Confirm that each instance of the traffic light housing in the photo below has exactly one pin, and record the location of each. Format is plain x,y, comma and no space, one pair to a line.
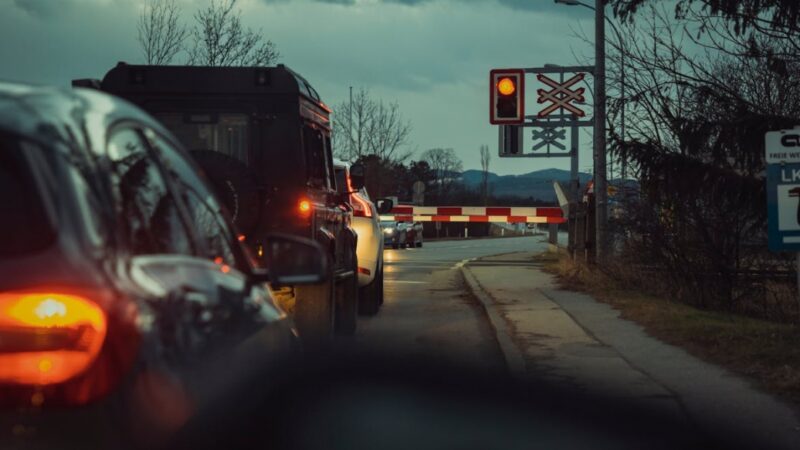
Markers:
510,140
507,96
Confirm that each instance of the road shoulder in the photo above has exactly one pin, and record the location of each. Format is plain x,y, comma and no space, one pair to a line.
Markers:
571,338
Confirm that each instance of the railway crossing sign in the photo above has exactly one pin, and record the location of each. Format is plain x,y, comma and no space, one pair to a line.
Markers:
560,95
783,189
549,136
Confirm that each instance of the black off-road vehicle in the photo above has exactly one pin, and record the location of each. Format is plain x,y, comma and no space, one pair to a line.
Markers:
262,135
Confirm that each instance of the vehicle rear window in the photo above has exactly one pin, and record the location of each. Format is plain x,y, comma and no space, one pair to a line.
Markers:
316,158
25,227
224,133
341,180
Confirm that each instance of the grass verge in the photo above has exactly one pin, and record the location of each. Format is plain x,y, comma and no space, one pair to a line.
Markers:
767,352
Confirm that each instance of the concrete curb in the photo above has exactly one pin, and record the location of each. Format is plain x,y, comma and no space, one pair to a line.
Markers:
512,354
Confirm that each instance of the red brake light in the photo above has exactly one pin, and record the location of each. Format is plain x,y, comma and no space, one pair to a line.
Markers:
304,208
48,338
360,206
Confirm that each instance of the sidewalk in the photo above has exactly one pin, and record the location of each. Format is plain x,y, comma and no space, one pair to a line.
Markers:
568,337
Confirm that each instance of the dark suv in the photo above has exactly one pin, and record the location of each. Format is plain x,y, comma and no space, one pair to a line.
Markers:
125,295
262,134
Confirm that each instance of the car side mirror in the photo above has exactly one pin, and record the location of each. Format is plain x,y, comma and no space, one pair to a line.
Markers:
384,205
292,260
357,176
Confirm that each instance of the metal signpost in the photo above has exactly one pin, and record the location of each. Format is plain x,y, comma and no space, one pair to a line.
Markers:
419,193
783,191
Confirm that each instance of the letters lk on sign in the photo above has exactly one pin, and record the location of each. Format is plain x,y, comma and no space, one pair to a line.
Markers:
790,175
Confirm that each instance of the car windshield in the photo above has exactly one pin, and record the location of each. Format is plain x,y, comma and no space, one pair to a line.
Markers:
600,196
24,225
227,133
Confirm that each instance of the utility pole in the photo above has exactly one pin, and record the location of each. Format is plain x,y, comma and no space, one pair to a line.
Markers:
624,162
600,188
350,124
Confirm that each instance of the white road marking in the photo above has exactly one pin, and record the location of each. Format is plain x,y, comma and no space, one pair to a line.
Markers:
461,263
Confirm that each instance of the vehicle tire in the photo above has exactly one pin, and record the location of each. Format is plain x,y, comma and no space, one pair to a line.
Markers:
396,245
314,313
370,296
347,303
381,294
235,185
419,244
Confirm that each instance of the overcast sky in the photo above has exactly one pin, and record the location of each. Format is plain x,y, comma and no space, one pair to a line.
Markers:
431,56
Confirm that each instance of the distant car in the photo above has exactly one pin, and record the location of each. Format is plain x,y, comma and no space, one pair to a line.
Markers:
127,302
369,246
414,234
394,234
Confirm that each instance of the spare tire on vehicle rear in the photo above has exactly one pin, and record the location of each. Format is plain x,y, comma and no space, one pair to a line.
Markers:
235,185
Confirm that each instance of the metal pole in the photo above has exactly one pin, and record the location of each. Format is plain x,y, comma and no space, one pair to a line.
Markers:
623,163
573,168
798,274
350,124
601,192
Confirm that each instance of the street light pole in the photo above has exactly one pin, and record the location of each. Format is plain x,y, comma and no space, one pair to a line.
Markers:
623,162
599,138
600,188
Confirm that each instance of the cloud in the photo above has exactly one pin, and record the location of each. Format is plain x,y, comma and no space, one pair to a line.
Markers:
432,56
527,5
47,9
39,8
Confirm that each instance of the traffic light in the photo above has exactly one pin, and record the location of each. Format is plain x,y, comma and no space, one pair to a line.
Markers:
507,96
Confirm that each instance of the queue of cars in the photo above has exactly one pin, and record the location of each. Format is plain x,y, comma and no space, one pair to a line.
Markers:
262,136
140,253
122,279
400,234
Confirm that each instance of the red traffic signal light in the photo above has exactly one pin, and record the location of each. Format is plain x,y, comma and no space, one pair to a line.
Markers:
507,96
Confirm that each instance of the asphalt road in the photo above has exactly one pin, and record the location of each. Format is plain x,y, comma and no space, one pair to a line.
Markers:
427,309
561,337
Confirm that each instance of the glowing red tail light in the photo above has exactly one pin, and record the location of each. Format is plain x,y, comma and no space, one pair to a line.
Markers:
304,207
361,208
48,338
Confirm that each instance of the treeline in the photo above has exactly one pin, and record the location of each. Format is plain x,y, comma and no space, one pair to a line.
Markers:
442,187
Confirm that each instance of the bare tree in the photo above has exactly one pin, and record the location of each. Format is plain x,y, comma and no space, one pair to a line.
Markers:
446,166
370,127
485,159
220,39
389,132
161,35
351,123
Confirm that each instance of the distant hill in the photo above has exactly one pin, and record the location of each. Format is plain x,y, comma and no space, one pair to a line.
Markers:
537,184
